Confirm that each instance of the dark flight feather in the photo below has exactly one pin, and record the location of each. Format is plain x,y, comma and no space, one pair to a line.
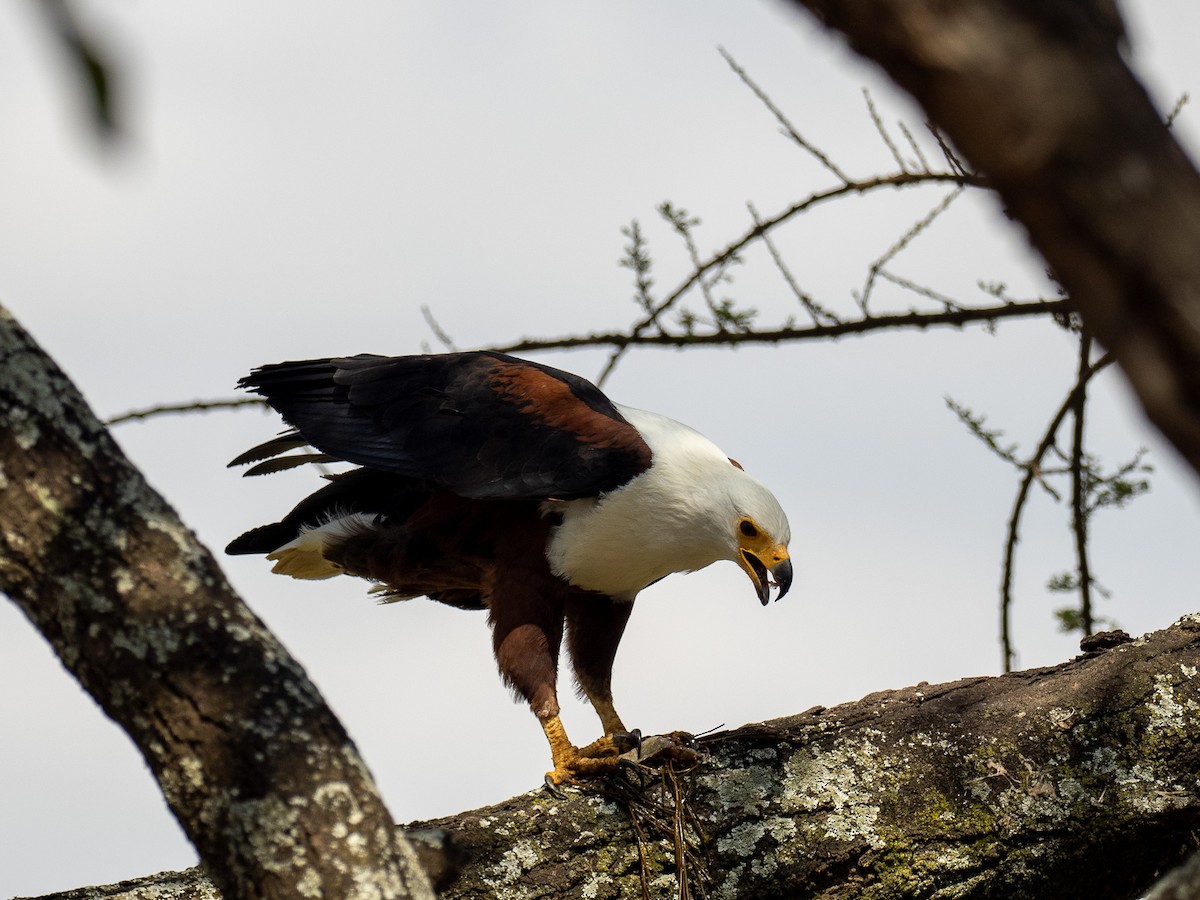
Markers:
289,440
291,461
482,425
390,497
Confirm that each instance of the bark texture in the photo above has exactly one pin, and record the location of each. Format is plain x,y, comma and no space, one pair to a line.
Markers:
256,768
1074,781
1036,96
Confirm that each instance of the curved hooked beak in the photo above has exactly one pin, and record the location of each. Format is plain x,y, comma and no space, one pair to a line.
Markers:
778,573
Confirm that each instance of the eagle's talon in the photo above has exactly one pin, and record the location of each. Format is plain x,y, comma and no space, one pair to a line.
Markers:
626,741
568,772
611,745
552,786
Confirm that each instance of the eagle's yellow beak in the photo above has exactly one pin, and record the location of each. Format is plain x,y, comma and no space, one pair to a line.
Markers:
766,562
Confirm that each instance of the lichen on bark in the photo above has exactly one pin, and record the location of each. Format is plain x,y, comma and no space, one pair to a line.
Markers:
243,746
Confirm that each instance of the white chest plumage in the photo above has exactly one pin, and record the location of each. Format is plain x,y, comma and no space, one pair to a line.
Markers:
677,516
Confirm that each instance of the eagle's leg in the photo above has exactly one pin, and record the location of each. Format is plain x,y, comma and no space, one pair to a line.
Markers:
564,754
595,624
526,638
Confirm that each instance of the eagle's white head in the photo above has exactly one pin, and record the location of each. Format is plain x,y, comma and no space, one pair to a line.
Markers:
694,506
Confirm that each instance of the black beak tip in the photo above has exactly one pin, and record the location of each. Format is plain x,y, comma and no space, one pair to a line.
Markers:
780,575
783,577
762,578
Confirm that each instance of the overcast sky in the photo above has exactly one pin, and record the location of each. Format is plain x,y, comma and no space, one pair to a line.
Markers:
300,178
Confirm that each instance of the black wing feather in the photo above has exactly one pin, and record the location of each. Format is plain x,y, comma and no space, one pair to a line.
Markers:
289,440
291,461
479,424
390,497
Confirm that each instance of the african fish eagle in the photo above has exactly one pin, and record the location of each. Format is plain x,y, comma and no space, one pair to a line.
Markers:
489,482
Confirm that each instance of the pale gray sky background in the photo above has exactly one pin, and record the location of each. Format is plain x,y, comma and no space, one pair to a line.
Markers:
301,177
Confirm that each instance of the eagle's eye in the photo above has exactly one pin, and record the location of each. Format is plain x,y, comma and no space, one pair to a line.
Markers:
747,528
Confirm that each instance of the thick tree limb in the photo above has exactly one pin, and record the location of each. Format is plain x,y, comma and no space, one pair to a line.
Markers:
1035,95
260,774
1073,781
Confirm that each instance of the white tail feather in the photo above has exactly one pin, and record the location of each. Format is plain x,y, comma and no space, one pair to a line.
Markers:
304,557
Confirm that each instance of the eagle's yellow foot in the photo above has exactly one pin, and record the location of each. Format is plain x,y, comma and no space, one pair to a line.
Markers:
601,757
617,743
569,771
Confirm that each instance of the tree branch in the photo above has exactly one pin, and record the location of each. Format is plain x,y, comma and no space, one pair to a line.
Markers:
255,767
861,186
1076,780
163,409
788,128
1079,518
860,325
1079,156
1032,471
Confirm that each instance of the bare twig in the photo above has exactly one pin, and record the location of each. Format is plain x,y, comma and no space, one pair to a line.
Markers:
1014,522
903,241
164,409
640,836
914,146
637,260
611,364
1079,517
438,332
883,132
1176,109
729,253
679,837
948,303
683,225
787,126
814,309
990,437
958,317
898,180
952,159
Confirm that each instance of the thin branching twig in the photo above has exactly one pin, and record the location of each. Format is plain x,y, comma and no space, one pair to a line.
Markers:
814,309
440,333
654,310
1031,468
883,132
786,334
1079,518
952,159
902,242
163,409
1176,109
914,146
787,126
948,303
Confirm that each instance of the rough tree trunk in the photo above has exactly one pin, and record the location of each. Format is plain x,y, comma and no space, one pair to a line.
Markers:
260,774
1036,96
1073,781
